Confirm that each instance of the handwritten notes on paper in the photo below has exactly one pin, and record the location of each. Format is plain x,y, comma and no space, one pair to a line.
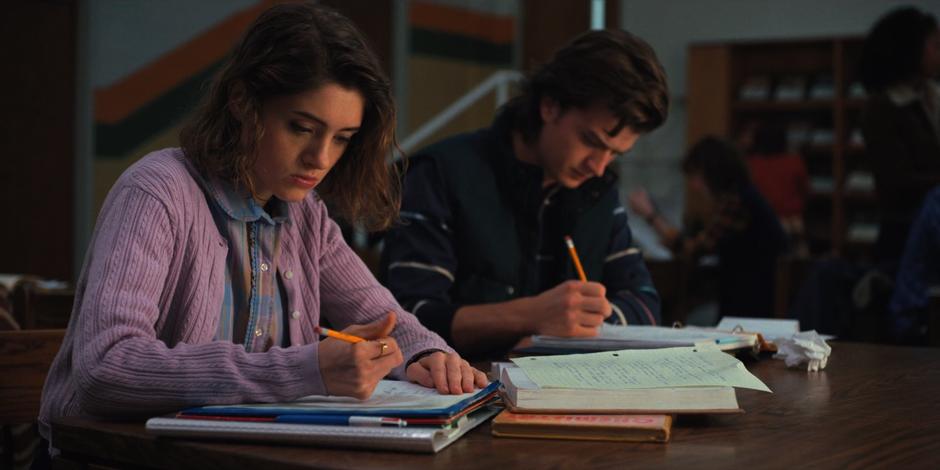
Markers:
699,366
389,394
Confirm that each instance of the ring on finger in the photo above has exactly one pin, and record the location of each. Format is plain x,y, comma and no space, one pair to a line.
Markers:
384,349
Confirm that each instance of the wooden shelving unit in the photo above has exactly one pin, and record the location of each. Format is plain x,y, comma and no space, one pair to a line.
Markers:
838,216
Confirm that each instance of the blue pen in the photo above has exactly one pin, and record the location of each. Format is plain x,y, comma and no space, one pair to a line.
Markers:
730,339
342,420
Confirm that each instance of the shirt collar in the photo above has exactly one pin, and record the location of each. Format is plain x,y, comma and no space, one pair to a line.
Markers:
239,205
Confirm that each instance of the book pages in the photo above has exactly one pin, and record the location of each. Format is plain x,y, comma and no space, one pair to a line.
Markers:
698,366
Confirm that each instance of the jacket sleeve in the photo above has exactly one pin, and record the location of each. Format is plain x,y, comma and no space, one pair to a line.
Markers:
350,294
629,286
119,365
419,260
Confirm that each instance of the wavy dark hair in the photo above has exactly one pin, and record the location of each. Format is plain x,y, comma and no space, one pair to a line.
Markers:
612,68
894,48
720,164
289,49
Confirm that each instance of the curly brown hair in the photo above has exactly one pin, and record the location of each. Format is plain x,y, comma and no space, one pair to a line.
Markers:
289,49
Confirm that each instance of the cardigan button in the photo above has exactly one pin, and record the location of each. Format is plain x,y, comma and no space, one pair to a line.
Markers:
288,274
295,314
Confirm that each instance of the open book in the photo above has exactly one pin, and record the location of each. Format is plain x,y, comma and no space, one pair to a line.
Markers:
522,395
673,380
390,398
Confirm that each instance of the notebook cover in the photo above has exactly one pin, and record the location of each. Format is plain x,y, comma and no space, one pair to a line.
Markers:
610,427
492,399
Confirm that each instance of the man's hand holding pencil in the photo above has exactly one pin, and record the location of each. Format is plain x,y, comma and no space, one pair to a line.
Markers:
572,308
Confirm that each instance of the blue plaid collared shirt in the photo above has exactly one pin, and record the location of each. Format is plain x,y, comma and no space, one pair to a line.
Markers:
252,310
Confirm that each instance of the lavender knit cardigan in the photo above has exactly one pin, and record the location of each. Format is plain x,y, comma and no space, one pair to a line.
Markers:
141,337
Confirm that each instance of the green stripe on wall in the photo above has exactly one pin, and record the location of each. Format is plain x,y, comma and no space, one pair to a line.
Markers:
115,140
454,46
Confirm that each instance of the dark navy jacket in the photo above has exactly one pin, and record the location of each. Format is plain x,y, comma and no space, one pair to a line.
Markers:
478,227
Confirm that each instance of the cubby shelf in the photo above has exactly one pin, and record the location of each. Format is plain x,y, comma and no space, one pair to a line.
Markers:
733,84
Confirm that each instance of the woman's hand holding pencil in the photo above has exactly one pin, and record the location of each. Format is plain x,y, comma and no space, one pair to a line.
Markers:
353,361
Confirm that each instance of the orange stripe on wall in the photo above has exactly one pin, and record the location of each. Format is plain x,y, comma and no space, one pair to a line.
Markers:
493,28
117,101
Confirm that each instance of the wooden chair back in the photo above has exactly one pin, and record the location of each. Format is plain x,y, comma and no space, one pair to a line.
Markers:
36,307
25,358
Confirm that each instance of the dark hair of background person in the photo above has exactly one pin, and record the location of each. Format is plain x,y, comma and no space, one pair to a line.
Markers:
720,164
292,48
611,68
770,138
894,48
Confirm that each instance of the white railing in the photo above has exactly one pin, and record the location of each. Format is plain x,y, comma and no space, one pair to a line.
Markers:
500,81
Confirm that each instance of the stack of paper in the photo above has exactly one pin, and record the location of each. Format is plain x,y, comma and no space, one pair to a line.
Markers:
613,337
770,328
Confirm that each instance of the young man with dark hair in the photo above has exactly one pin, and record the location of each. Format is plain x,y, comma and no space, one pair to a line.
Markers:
480,256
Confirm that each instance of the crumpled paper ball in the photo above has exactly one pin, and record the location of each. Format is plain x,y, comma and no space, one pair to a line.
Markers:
803,347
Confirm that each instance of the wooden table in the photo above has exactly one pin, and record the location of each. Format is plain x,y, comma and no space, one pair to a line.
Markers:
873,406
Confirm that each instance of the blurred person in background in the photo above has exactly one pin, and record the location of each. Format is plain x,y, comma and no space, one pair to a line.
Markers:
901,121
727,216
918,270
781,177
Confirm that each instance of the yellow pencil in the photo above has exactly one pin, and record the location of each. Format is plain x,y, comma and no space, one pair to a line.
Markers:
574,257
338,335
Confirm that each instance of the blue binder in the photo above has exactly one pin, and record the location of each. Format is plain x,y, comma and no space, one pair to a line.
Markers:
262,410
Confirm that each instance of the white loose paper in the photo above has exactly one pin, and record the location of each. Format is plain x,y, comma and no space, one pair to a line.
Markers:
804,347
700,366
